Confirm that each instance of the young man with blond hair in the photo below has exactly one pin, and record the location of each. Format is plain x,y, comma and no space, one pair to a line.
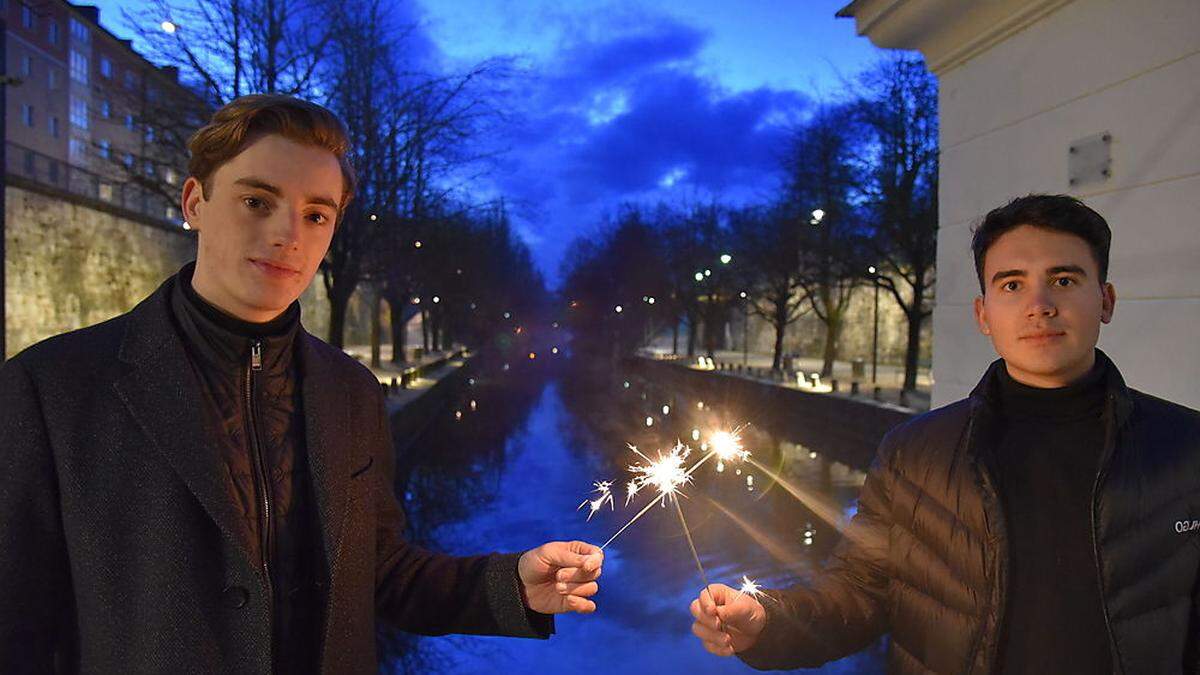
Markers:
1049,523
201,486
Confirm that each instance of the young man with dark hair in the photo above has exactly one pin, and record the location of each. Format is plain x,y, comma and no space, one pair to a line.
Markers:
1049,523
201,486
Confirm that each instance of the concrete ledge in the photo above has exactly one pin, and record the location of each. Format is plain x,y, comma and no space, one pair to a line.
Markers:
846,429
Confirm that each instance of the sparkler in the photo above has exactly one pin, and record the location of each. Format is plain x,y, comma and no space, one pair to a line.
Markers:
605,490
749,587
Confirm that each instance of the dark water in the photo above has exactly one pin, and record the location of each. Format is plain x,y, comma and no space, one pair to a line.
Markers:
510,474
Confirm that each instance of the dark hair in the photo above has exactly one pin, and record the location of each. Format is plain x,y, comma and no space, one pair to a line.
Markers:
246,118
1061,213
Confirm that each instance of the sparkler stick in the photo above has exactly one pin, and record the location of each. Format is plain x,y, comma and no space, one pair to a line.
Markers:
692,546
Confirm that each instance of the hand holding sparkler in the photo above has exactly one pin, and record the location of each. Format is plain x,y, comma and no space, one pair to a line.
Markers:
560,577
728,620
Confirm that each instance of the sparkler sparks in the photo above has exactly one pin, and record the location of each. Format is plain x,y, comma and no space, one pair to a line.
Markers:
604,488
749,587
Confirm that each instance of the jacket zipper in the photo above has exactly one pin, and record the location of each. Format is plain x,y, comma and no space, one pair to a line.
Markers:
1002,525
262,482
1110,442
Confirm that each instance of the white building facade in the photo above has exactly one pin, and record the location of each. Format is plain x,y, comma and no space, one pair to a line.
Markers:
1095,98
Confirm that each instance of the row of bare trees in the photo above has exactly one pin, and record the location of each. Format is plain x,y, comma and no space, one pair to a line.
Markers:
859,193
418,138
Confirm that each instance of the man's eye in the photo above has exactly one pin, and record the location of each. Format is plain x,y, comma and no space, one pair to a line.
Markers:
1069,281
318,218
253,203
1010,285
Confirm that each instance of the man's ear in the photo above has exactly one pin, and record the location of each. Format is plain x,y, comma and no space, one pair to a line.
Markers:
1108,302
981,316
190,201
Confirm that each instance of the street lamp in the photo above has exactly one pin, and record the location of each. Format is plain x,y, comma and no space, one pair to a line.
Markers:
168,27
875,330
745,328
725,258
817,216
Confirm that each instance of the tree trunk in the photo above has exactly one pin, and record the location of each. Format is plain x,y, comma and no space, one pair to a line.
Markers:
399,330
376,303
675,337
913,350
691,345
425,330
780,324
339,303
833,327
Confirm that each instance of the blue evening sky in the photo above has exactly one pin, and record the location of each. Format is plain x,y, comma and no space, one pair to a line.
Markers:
635,102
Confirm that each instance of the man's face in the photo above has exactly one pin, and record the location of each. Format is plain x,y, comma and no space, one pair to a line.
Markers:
1043,305
265,225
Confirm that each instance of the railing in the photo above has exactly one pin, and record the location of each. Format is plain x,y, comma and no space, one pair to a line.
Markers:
51,172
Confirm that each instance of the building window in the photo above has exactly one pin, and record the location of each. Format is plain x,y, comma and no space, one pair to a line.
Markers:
53,172
77,151
170,176
130,79
54,126
149,168
129,122
30,163
105,67
127,160
26,66
27,17
171,213
149,133
79,67
106,192
106,109
104,148
27,114
53,32
52,77
152,94
80,32
79,112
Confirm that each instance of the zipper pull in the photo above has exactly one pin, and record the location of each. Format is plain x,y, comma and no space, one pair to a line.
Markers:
256,355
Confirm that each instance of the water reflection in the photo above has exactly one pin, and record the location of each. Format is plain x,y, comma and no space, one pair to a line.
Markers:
510,474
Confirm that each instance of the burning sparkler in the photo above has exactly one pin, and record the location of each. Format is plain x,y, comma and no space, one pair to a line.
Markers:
604,488
749,587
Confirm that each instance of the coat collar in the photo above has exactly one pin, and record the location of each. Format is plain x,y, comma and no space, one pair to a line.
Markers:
984,398
163,396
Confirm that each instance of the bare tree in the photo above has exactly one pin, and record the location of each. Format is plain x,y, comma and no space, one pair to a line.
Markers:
768,255
821,183
900,111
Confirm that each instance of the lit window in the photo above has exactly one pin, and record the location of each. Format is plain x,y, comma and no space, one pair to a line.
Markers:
27,17
53,35
105,67
106,109
54,126
77,151
79,112
79,67
52,77
104,148
26,66
27,114
79,31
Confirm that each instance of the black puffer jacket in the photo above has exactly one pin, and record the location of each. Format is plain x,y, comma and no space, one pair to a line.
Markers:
925,557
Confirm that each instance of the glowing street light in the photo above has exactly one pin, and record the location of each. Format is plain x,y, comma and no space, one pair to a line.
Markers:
699,276
417,244
726,258
651,300
817,216
436,299
619,309
374,217
168,27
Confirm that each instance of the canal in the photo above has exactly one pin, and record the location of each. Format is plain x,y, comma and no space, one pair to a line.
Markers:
506,465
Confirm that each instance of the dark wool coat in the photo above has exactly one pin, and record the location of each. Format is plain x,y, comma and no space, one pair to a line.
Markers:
121,550
925,557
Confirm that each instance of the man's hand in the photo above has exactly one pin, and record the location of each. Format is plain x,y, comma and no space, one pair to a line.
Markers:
560,577
732,624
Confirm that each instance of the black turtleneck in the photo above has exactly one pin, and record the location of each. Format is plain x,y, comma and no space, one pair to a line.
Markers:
258,423
1048,454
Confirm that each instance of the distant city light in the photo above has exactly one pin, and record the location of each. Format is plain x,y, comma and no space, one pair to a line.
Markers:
649,421
726,258
436,299
374,217
168,27
651,300
699,276
742,294
532,355
666,410
871,269
619,309
554,350
817,216
416,301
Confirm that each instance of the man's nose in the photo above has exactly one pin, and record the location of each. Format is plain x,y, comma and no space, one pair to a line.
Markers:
1041,304
287,230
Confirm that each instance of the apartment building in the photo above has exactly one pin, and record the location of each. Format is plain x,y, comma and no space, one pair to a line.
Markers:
87,115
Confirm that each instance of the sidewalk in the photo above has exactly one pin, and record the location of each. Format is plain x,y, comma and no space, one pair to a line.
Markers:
757,365
420,377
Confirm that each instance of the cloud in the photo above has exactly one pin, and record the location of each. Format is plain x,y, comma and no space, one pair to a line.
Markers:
620,111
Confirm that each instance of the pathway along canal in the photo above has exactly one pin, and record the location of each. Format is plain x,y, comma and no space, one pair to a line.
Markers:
506,465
